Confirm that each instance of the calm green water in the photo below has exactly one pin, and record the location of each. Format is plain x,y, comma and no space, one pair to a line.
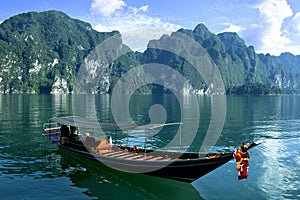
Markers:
32,168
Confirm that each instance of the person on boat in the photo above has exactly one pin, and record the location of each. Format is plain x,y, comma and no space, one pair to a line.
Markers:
109,140
74,133
74,130
242,157
238,158
64,133
244,162
134,149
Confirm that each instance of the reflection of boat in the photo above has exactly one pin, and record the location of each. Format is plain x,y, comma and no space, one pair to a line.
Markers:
185,167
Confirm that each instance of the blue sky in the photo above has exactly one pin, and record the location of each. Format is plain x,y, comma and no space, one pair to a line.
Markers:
271,26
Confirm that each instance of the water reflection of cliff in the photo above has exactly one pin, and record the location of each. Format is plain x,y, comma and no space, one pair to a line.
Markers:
105,183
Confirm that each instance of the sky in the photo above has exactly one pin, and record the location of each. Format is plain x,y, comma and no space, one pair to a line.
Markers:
271,26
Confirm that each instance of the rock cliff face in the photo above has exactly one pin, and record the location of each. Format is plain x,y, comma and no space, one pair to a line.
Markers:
49,52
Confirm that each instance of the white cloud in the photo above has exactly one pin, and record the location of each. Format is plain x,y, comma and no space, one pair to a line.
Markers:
129,21
138,39
101,28
294,25
232,28
268,35
136,26
135,10
107,8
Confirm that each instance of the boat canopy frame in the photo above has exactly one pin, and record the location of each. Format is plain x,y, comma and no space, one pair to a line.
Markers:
95,124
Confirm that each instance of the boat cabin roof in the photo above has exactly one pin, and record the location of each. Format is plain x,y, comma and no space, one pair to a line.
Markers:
95,124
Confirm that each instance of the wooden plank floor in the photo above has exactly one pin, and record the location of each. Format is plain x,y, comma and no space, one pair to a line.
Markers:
130,155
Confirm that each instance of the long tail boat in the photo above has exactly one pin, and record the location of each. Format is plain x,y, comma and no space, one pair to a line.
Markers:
180,166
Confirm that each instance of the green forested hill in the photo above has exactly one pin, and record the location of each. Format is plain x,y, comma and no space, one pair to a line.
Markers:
43,53
37,49
242,69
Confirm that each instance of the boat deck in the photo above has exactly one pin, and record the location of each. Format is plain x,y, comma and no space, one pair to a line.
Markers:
100,147
132,155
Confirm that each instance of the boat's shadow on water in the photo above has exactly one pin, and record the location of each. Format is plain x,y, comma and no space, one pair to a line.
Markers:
103,182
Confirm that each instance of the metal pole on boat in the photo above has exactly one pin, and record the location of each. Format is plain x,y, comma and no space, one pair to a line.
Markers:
145,140
127,138
151,142
145,151
180,137
115,140
49,125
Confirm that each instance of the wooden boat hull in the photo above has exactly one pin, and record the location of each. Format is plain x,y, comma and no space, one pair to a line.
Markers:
180,170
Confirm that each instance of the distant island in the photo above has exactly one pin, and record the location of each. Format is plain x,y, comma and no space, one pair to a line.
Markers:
43,53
